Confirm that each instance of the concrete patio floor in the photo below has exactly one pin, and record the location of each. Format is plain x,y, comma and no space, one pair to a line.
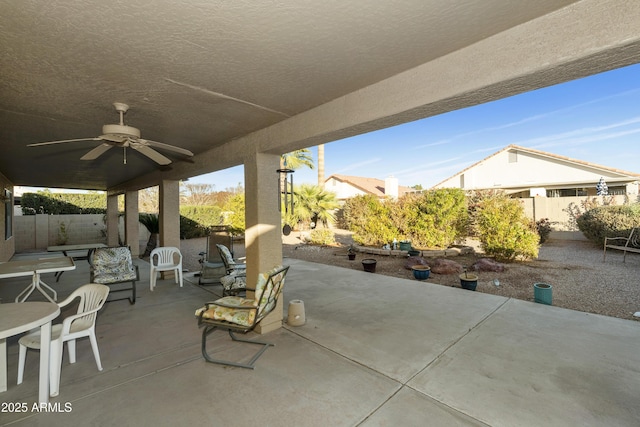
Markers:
375,351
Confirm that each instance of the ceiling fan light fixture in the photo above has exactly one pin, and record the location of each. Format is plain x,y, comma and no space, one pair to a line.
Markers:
121,135
123,130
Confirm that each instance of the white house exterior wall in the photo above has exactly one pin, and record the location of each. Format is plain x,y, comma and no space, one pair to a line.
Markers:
529,170
343,190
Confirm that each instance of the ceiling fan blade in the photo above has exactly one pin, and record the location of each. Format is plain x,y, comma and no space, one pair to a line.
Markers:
62,141
96,152
164,146
151,153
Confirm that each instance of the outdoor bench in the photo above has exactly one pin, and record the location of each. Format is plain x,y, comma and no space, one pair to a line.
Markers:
631,244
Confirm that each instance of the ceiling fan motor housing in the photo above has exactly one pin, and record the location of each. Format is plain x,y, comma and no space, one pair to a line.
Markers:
118,133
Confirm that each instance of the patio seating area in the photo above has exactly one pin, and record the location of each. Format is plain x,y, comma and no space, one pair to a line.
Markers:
375,350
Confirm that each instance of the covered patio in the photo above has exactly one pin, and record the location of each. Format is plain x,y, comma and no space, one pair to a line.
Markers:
375,350
243,84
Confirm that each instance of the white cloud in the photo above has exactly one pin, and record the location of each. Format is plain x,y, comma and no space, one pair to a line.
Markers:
354,166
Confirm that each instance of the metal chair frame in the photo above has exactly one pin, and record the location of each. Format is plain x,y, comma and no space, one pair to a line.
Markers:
211,265
132,288
267,299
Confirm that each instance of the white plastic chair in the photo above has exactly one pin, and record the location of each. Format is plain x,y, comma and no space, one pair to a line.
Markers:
165,259
82,324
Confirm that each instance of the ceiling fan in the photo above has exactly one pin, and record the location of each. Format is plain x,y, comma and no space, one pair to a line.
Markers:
121,135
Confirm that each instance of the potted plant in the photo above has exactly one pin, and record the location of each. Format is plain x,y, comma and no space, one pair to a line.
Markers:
405,245
369,265
543,293
468,280
351,253
421,272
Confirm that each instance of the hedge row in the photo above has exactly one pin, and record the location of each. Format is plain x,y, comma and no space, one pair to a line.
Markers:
439,218
195,221
63,203
432,219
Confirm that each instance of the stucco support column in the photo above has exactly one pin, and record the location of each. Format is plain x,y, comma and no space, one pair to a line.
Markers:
169,196
112,220
132,222
263,237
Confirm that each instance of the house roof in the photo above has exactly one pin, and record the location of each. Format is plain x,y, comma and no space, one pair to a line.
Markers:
372,186
621,173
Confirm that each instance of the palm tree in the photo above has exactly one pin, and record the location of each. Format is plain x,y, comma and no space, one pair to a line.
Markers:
321,165
152,223
296,159
315,204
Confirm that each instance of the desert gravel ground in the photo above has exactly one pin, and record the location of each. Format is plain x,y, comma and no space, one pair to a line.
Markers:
580,279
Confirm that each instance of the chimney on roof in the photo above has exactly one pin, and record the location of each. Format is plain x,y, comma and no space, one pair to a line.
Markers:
391,187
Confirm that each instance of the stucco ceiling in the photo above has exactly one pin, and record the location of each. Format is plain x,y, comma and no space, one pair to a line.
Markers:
198,74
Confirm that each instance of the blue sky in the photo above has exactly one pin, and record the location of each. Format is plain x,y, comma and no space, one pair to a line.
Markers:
594,119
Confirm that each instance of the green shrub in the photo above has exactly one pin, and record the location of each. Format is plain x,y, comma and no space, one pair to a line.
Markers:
204,216
322,236
608,221
432,219
474,201
190,229
543,227
505,232
234,209
370,220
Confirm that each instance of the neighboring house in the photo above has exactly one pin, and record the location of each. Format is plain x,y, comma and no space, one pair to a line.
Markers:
524,172
346,187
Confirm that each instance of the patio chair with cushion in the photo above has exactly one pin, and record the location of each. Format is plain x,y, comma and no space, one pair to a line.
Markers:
235,280
114,266
165,258
82,324
213,267
241,315
229,263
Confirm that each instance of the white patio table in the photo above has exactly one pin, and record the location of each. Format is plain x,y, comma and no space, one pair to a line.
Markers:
16,318
85,248
34,268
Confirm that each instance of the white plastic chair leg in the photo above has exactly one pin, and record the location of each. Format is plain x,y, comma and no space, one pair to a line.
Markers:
94,347
152,278
55,365
71,348
22,357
